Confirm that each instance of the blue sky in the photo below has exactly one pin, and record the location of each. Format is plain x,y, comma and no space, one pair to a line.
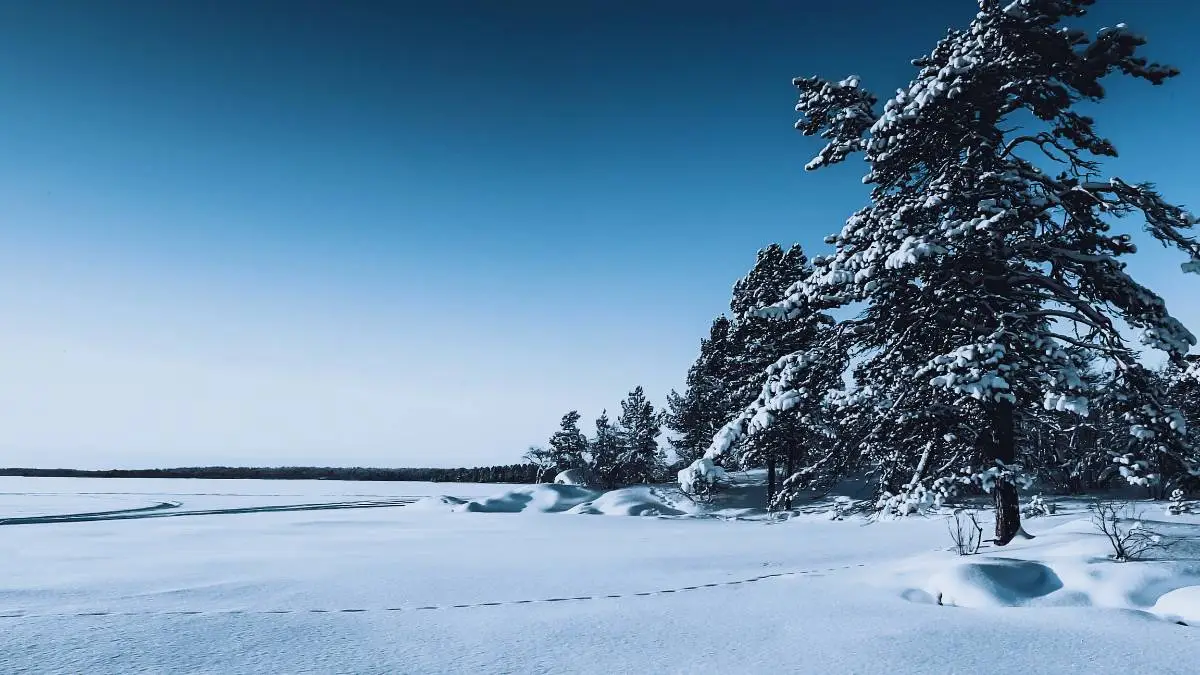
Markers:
381,234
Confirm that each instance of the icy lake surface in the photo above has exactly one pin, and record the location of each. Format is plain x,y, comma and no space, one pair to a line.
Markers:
540,580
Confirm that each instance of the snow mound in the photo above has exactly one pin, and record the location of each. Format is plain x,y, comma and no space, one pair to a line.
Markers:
537,498
995,582
439,503
631,501
573,477
1181,604
641,500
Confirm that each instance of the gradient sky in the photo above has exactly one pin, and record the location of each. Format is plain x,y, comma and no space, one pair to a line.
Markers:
355,233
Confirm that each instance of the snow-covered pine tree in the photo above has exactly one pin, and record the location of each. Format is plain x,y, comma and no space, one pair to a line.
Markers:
568,445
1069,452
977,266
706,403
605,453
640,460
789,364
761,340
1182,390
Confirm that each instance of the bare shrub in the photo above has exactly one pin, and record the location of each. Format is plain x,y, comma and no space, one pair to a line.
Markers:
965,531
1130,538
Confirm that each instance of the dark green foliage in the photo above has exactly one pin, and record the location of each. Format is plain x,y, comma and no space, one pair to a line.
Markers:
759,337
640,460
605,452
568,445
707,403
1181,389
733,366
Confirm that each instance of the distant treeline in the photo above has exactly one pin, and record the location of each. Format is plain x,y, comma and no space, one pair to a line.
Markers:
511,473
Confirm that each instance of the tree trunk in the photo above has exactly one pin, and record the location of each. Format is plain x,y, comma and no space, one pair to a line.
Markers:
770,481
1158,491
791,471
1003,447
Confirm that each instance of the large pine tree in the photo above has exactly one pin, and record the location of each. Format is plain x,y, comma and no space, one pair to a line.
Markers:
986,252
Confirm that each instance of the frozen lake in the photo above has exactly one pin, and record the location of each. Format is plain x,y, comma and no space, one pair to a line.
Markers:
421,589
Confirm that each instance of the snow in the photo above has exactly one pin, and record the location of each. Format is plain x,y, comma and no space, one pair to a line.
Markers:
1066,402
549,498
57,504
572,477
451,590
701,472
1182,604
994,582
555,498
632,501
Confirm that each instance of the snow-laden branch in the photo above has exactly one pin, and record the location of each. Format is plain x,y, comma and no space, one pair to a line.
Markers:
839,111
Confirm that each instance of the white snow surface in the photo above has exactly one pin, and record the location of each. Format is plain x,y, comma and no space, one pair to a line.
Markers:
572,477
56,504
545,498
701,470
436,587
1182,604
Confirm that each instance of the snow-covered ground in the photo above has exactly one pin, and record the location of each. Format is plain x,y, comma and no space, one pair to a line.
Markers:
539,580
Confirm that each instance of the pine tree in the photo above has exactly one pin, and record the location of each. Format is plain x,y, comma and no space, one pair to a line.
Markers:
605,455
1067,451
978,268
1181,385
640,458
787,366
761,340
706,403
568,445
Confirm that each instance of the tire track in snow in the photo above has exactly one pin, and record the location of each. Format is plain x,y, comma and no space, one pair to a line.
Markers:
141,511
426,608
160,511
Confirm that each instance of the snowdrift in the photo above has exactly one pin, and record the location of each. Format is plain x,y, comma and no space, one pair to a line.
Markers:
631,501
1065,566
641,500
573,477
994,582
1181,604
545,498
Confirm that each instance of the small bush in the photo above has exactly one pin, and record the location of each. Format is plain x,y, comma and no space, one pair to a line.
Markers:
965,531
842,507
702,480
1038,507
1130,538
1179,504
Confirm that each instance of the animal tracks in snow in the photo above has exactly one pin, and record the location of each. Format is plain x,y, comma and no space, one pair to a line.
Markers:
428,608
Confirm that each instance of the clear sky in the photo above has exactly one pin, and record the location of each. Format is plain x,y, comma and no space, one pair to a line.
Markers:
401,233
